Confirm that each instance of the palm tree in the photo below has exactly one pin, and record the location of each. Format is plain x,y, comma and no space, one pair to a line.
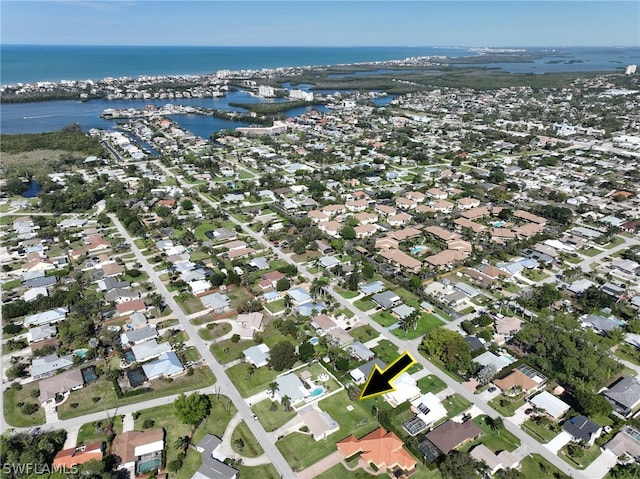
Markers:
273,387
286,403
495,423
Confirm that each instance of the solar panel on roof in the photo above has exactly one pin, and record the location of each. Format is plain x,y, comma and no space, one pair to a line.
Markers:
424,409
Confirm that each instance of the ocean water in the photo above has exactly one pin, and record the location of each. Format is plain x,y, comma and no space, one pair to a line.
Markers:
32,63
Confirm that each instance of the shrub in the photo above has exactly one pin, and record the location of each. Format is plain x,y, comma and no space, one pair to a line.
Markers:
235,338
29,408
148,423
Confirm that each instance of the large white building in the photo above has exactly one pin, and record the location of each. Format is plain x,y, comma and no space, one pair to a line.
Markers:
266,91
301,95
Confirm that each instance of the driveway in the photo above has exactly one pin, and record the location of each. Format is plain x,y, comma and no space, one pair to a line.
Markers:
557,442
600,467
321,466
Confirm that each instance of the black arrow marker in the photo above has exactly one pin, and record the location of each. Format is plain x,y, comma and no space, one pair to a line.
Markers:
379,381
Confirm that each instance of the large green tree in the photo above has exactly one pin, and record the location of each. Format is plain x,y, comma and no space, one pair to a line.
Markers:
449,347
192,409
282,356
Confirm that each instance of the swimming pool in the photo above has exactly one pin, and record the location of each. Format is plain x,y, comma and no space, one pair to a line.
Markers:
316,392
416,249
129,356
498,224
314,341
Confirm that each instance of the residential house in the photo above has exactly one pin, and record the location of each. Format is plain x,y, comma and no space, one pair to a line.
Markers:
447,437
218,303
137,336
40,333
167,365
291,385
249,323
139,452
362,372
131,307
406,389
383,449
78,455
502,460
582,429
149,350
521,380
360,351
554,407
428,410
45,366
386,299
625,443
624,396
60,384
322,324
213,466
319,422
257,355
372,288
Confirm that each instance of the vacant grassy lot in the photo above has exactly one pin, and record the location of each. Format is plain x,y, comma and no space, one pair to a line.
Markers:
431,384
95,431
497,440
12,412
103,389
244,442
301,450
588,456
537,466
455,404
364,333
227,351
248,385
426,323
265,471
272,420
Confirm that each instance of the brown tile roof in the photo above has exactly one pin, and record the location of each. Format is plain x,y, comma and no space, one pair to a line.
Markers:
78,455
516,379
124,445
451,434
380,447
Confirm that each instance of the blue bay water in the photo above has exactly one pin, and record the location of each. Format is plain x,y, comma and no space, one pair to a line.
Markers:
54,63
31,63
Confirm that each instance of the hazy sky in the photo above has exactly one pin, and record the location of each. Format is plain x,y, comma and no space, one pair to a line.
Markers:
322,23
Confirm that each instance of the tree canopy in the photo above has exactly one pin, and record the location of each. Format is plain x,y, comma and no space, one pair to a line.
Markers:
449,347
192,409
282,356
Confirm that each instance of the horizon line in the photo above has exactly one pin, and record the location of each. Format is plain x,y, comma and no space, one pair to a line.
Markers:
310,46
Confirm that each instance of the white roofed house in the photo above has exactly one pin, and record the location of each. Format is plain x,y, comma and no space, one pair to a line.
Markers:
551,405
46,317
249,323
137,336
218,303
168,364
149,350
47,365
258,355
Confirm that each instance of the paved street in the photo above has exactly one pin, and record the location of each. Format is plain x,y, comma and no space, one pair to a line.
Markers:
223,382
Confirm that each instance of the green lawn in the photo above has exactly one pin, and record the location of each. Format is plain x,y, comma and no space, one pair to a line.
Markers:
12,412
301,450
265,471
617,241
384,318
537,466
432,384
227,351
509,407
272,420
365,304
455,404
534,274
498,440
238,296
250,447
426,323
588,456
364,333
215,423
94,431
250,385
541,433
590,252
214,330
103,389
277,263
191,305
347,294
202,229
275,307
